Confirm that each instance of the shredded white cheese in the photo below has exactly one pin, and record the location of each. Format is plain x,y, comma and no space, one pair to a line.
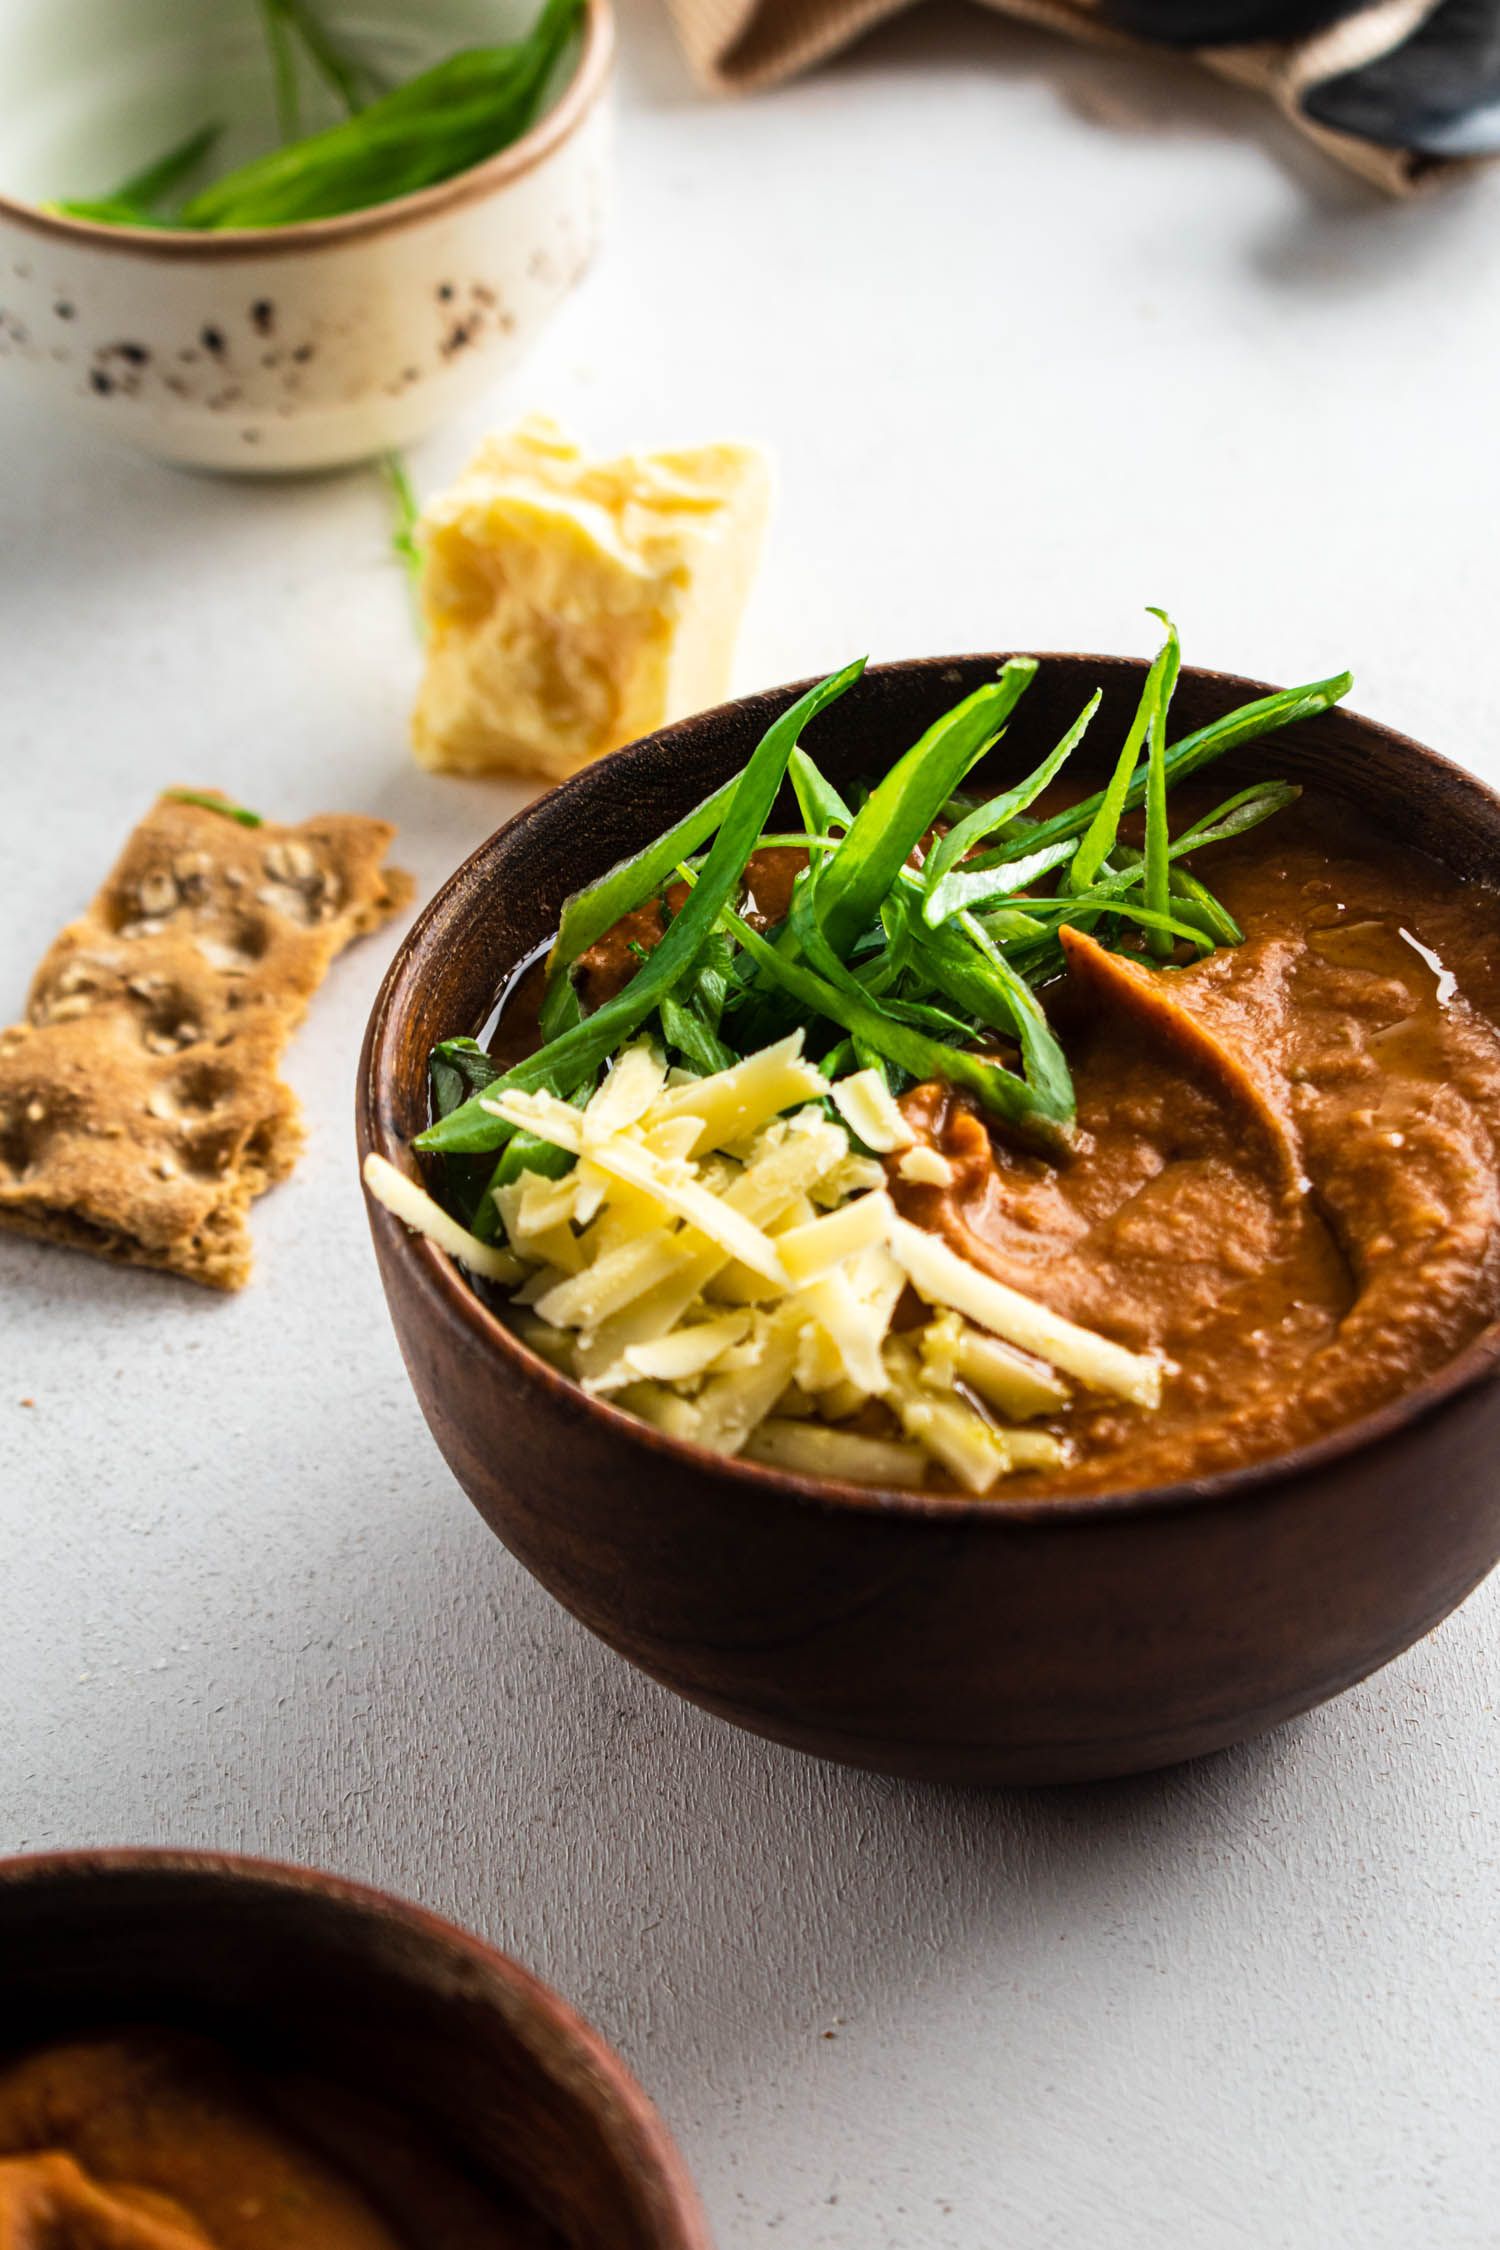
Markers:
817,1248
865,1103
925,1167
944,1278
415,1208
738,1101
720,1262
812,1449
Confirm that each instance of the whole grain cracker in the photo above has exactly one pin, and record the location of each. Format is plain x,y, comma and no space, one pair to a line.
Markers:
140,1107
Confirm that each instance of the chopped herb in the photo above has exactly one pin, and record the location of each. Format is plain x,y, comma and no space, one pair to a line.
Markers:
1196,904
285,89
457,1069
133,203
821,805
695,1041
444,121
999,1090
1098,840
1157,860
998,812
1238,813
966,890
1194,752
590,1042
902,807
910,947
332,65
404,542
208,802
441,123
977,977
589,913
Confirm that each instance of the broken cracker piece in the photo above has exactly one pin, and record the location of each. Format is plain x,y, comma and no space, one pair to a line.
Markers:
140,1107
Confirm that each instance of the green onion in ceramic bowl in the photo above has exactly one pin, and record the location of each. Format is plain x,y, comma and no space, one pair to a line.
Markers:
282,234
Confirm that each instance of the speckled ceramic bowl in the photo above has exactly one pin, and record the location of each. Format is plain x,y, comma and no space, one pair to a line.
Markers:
277,348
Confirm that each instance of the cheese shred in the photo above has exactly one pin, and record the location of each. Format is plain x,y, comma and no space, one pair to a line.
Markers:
720,1261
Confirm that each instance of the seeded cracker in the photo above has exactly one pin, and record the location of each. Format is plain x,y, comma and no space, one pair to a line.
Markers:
140,1107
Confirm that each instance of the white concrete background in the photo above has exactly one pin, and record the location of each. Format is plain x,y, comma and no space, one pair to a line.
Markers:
1025,370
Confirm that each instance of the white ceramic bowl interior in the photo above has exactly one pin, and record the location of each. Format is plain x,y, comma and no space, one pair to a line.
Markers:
274,349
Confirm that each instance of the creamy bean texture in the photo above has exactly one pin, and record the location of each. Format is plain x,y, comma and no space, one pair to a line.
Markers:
154,2140
1286,1171
1285,1179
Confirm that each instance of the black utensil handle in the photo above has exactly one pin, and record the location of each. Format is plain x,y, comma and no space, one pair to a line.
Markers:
1438,93
1225,23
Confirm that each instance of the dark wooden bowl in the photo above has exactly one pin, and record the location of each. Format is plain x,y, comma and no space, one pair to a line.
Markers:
367,1992
948,1637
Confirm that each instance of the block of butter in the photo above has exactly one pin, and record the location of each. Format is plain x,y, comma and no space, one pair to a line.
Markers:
574,605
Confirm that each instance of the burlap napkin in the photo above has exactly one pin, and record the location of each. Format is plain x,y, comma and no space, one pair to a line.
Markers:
737,45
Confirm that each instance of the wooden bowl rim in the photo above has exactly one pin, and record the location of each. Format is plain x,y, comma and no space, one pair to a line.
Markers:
1478,1363
544,2016
179,245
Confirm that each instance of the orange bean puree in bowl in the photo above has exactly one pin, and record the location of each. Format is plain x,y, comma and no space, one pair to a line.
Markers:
158,2140
1286,1173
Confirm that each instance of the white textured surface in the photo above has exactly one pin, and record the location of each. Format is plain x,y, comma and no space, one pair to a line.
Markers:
1024,372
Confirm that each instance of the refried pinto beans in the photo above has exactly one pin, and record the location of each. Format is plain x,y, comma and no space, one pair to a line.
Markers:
153,2139
1064,1140
609,964
1285,1177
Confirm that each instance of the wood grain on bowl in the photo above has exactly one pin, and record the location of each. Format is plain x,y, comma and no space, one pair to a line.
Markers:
1041,1639
368,1994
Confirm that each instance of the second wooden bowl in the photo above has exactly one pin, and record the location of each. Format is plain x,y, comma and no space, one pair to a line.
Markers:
930,1634
370,1994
